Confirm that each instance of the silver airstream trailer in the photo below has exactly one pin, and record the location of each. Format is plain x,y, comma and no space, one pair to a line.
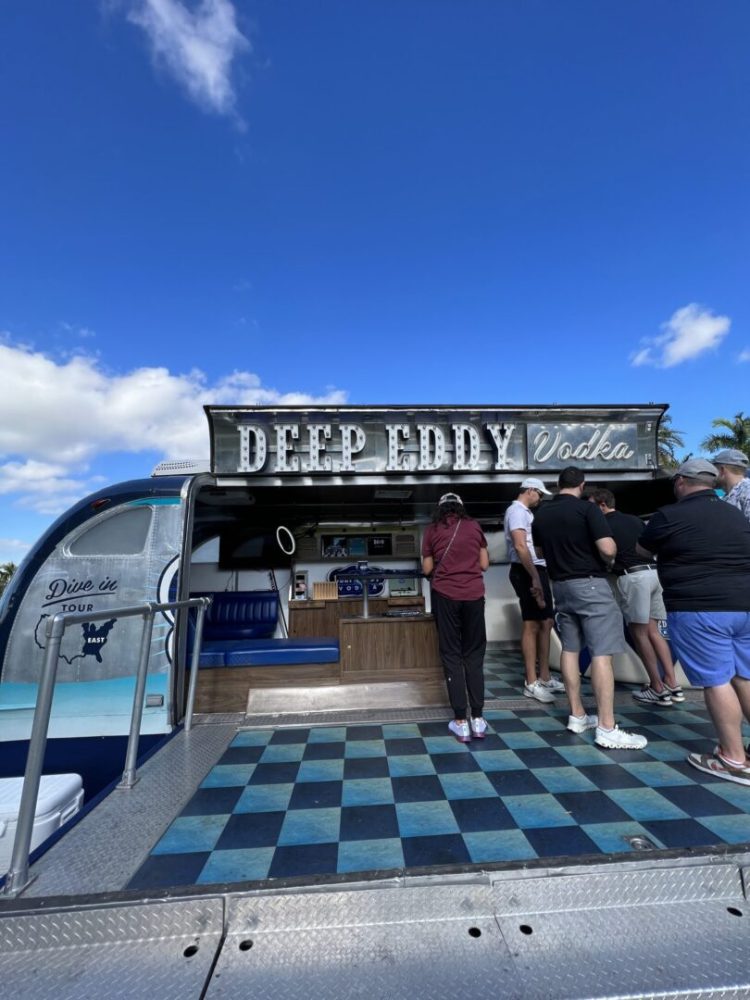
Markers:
283,483
241,859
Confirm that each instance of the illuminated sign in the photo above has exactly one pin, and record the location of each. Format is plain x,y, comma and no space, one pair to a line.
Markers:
251,441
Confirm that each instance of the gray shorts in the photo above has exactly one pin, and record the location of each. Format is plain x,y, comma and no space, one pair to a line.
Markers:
639,596
587,615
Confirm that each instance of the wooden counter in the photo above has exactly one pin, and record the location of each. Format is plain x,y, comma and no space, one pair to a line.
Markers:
386,649
320,618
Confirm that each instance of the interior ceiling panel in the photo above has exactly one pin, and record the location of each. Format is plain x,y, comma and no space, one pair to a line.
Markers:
300,505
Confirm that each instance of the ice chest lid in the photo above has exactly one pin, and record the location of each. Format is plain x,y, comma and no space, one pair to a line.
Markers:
55,791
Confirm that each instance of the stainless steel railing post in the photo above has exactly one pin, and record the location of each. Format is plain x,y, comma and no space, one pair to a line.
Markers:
128,775
195,662
18,874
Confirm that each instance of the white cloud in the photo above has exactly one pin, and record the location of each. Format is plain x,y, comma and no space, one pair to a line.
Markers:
688,333
196,46
42,477
57,417
744,355
13,549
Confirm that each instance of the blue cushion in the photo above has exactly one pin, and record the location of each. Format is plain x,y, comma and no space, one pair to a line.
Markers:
211,658
278,652
238,630
240,614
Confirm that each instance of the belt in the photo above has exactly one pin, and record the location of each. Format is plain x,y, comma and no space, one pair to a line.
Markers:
638,569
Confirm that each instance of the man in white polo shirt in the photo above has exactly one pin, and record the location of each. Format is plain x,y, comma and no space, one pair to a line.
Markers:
528,577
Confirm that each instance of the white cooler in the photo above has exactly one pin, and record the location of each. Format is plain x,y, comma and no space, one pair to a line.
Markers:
60,797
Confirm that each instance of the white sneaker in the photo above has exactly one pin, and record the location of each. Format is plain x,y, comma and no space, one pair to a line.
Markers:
580,723
460,730
539,691
478,728
554,685
619,739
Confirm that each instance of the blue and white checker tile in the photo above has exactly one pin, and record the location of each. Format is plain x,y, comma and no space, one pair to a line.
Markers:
319,801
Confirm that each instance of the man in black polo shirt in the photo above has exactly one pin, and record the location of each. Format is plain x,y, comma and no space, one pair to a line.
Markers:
703,551
639,595
579,549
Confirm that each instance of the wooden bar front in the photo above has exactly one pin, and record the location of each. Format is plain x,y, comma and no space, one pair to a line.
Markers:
321,618
386,649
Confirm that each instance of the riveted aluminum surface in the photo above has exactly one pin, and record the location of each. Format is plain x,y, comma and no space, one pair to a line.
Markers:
164,950
631,951
389,944
104,850
616,889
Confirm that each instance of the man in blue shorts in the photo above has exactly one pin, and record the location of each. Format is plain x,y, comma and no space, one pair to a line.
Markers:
703,558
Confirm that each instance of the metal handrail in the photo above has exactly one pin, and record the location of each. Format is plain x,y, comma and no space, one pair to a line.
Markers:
18,874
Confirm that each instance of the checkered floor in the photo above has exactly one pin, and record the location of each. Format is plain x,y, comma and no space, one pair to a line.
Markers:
504,675
316,801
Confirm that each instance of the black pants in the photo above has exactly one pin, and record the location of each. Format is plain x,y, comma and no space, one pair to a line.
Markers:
462,640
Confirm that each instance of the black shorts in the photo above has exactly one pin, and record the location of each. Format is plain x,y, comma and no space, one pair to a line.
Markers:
521,583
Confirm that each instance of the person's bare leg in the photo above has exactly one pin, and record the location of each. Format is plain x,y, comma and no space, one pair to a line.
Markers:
645,650
529,632
663,652
724,707
742,690
542,646
603,682
572,680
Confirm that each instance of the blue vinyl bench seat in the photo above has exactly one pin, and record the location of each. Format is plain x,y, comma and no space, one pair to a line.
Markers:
238,632
276,652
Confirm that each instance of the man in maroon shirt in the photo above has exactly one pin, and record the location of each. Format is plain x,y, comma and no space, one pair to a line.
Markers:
455,557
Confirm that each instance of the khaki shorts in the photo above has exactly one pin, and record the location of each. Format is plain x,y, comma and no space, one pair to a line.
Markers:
640,598
587,615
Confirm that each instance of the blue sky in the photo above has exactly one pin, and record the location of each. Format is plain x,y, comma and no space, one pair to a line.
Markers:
446,201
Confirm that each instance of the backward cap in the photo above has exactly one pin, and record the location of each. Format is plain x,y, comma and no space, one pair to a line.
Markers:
697,468
731,456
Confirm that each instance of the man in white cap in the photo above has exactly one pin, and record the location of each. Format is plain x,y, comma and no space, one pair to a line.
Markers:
703,550
528,577
732,465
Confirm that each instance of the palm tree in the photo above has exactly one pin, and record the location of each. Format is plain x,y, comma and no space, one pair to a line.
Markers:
669,440
6,572
737,434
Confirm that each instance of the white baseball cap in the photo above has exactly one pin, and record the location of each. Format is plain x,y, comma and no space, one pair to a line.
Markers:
535,484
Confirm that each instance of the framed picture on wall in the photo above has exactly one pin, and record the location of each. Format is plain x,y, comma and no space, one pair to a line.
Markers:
299,586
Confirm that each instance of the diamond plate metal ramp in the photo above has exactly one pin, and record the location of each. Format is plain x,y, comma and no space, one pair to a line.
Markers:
658,932
157,951
379,944
669,932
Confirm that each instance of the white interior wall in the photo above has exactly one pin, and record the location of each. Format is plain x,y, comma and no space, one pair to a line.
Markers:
502,614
